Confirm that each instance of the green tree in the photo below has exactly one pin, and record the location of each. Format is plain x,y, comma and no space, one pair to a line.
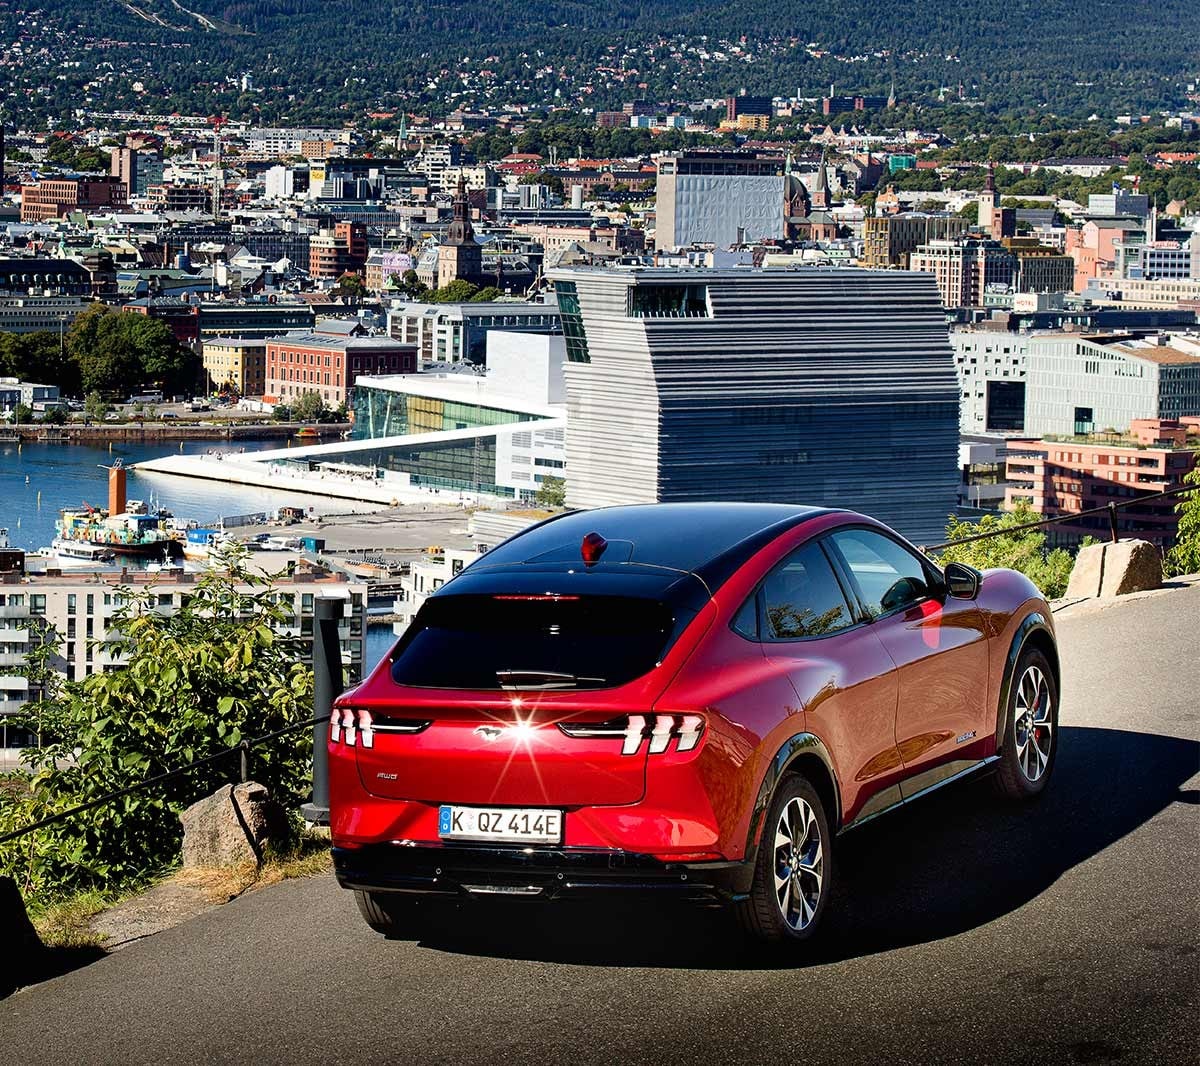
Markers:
23,414
351,287
456,292
194,683
1184,557
1024,551
118,352
551,493
488,292
309,407
94,406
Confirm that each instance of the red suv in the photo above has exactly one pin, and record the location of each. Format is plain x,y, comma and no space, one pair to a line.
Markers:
685,699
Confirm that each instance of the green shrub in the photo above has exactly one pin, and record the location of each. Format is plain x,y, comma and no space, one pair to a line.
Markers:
195,683
1184,557
1025,551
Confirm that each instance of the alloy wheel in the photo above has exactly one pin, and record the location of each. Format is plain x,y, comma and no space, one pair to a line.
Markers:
798,864
1033,723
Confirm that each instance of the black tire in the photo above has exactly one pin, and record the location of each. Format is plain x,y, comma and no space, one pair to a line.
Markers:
1027,755
789,912
392,915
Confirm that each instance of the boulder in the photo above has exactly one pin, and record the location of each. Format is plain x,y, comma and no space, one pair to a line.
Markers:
1115,569
1087,573
1131,566
231,827
23,955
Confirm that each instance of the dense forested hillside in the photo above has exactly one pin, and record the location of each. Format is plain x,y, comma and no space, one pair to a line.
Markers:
320,58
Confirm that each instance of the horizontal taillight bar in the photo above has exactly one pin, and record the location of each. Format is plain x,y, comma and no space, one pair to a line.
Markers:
541,597
351,726
659,729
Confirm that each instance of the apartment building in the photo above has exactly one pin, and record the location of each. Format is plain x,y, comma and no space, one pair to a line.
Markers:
454,333
889,240
237,363
991,366
332,253
80,606
965,269
1065,477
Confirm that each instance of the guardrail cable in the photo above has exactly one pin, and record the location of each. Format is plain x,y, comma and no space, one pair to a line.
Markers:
240,749
1109,509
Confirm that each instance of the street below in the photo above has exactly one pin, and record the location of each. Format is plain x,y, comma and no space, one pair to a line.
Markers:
965,930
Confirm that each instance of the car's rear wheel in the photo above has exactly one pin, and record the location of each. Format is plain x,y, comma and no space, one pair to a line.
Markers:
387,913
1030,742
793,872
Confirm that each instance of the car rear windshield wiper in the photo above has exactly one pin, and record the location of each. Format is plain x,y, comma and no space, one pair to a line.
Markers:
543,679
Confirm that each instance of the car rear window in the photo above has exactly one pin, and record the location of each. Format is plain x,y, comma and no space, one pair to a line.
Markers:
534,642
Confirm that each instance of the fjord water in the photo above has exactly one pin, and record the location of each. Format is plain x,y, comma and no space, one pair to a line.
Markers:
39,480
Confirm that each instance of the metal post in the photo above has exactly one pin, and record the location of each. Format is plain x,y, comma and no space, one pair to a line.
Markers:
1112,521
327,684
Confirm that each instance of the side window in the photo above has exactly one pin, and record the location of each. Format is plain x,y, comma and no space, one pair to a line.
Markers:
802,598
889,576
745,621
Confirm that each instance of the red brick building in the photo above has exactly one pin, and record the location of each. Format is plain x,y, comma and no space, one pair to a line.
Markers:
182,317
1066,477
57,197
329,365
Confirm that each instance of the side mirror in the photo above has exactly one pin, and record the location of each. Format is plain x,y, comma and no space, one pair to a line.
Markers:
962,581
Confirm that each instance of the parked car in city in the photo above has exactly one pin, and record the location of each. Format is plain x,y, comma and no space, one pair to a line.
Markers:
687,699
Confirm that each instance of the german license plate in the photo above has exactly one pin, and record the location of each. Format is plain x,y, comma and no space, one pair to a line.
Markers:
503,824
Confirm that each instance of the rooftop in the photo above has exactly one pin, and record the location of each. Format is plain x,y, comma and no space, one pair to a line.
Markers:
461,388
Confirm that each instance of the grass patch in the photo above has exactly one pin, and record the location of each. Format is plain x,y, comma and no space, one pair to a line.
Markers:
65,922
309,856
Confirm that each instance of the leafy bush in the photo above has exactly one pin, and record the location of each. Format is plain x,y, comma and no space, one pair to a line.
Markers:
195,682
1025,551
1184,557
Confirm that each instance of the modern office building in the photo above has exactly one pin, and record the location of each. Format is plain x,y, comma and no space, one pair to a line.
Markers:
334,252
230,318
832,387
423,579
80,607
1081,384
455,333
1066,477
718,198
56,197
991,366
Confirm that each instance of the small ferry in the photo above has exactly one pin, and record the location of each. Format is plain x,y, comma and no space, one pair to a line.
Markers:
82,550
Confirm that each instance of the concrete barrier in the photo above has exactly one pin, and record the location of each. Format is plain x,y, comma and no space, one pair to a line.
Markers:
1104,570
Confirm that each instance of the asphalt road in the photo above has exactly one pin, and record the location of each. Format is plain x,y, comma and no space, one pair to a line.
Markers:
966,931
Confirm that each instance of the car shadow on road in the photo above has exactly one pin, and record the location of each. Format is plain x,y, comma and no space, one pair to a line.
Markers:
951,862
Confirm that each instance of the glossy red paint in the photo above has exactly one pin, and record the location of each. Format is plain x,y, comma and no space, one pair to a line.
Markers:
886,698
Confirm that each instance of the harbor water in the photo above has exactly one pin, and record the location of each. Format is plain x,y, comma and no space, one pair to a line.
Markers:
39,480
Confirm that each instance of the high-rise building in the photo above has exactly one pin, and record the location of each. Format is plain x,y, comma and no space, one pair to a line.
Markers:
718,198
831,387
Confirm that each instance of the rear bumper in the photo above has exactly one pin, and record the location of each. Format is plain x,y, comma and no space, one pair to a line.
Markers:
540,873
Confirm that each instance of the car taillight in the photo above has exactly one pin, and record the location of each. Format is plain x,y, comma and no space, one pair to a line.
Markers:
357,726
660,729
